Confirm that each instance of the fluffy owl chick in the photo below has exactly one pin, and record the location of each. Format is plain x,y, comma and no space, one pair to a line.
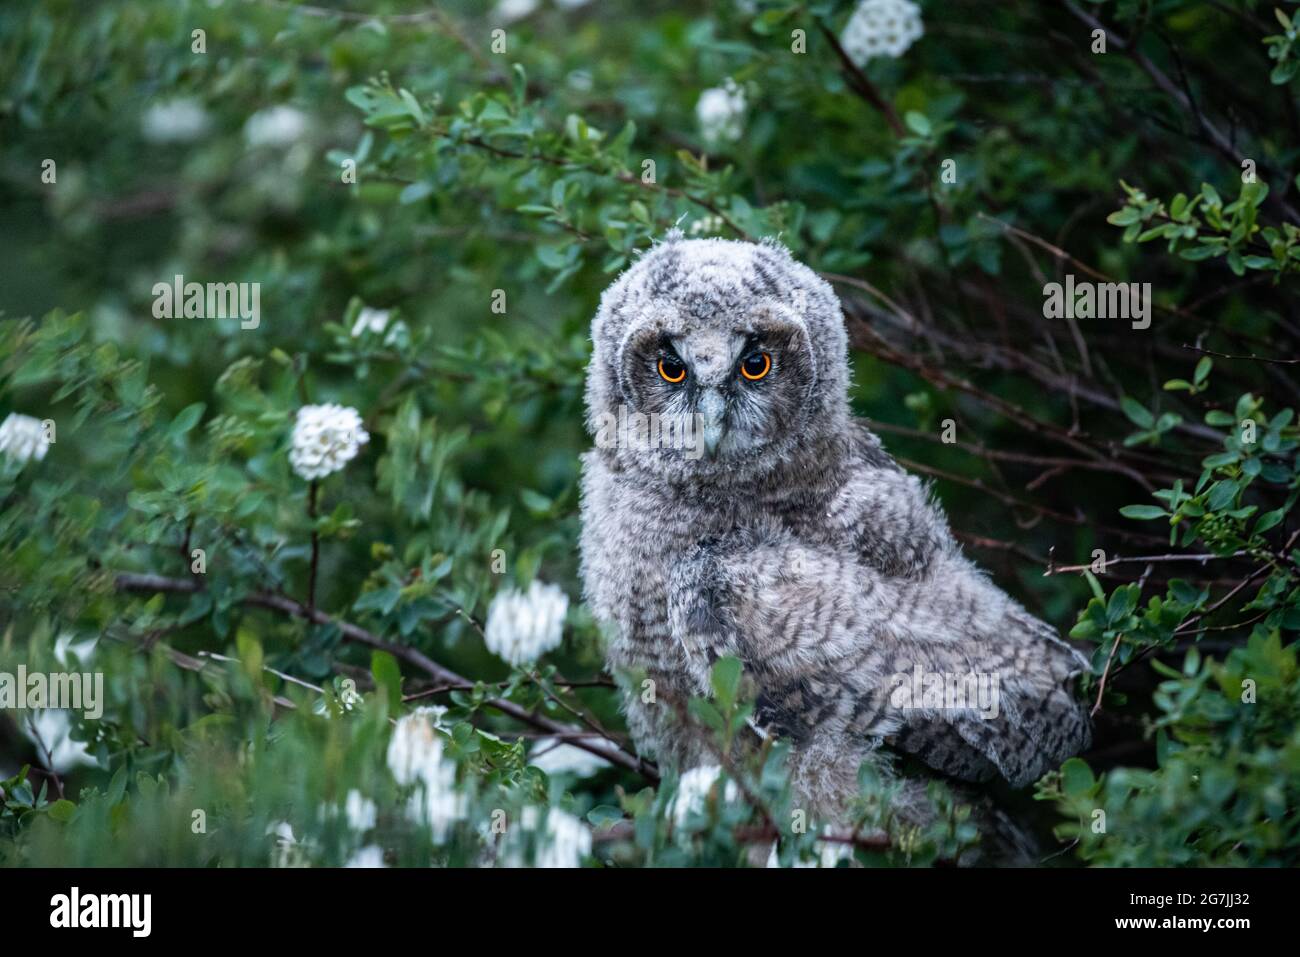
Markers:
777,530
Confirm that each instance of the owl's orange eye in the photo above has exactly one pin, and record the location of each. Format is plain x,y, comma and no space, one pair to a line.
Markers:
671,370
756,366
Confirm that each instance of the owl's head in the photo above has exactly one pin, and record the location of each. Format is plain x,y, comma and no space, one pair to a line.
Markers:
716,360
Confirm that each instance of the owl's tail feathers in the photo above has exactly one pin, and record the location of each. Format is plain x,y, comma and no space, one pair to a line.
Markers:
1031,736
1025,725
1039,722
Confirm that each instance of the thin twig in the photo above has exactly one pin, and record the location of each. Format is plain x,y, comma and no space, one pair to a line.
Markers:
1090,566
49,759
1252,357
861,84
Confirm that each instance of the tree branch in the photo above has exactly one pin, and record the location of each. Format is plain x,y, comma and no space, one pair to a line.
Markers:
608,749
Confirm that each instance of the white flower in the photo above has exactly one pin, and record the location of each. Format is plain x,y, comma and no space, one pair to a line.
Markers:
275,126
415,750
288,851
706,226
438,809
372,855
522,626
360,810
282,830
829,855
370,320
23,438
881,28
721,113
415,757
693,792
564,841
508,11
180,120
325,438
81,650
566,759
53,727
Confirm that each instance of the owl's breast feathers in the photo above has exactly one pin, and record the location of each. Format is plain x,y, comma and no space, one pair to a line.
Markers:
844,593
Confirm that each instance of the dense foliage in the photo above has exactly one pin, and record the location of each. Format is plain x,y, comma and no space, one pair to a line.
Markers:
431,210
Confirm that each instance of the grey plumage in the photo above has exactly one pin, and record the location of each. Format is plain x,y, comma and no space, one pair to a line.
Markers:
798,545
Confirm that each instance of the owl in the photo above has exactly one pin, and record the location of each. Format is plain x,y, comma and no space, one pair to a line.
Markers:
740,510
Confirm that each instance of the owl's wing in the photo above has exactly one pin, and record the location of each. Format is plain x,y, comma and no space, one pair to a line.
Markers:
941,664
1024,721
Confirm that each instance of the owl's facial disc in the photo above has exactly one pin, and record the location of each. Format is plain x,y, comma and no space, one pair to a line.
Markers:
728,382
718,396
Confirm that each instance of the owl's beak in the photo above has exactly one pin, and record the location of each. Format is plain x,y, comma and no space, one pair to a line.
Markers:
713,420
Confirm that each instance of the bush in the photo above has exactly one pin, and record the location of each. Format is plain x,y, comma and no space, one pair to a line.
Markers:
295,669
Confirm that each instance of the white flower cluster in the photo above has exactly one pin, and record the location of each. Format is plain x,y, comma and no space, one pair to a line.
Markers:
563,840
181,120
706,226
881,28
720,112
360,810
370,320
288,850
564,759
52,727
829,855
415,750
275,126
372,855
693,792
325,438
508,11
415,757
23,438
523,626
68,651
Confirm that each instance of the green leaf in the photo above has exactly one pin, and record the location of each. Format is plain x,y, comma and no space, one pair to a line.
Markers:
726,680
917,123
250,654
604,815
1122,602
388,676
1143,512
1269,520
1137,413
185,420
704,712
1077,780
415,192
116,787
412,107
